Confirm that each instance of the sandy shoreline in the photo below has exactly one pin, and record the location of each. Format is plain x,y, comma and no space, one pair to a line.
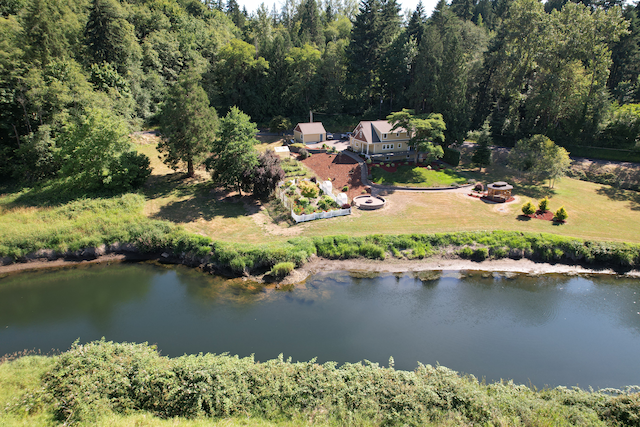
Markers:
437,263
393,265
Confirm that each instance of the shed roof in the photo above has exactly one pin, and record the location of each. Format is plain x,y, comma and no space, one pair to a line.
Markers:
311,128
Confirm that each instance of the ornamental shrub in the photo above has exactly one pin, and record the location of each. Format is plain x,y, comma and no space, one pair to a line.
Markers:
326,203
308,189
345,188
544,205
304,153
561,214
528,208
304,202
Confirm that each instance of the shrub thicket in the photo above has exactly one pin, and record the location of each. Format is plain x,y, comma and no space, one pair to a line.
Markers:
100,377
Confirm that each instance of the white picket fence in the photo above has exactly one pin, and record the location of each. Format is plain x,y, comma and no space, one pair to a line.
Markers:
281,192
320,215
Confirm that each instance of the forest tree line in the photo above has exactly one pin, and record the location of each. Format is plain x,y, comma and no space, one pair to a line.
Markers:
77,75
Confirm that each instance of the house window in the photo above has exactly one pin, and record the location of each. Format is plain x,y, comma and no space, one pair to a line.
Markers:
387,158
399,145
398,134
408,156
387,146
384,136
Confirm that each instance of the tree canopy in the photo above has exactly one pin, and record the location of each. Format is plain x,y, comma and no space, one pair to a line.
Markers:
424,131
233,154
539,158
187,123
563,69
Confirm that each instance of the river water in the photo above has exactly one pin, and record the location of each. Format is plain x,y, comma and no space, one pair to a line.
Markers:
544,331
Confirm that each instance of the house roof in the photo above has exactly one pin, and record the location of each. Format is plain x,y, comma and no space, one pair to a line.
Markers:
310,128
365,131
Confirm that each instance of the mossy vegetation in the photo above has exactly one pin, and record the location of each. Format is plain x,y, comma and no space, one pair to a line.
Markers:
100,381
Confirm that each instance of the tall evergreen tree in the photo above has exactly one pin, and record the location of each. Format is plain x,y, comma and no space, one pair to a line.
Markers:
110,37
187,123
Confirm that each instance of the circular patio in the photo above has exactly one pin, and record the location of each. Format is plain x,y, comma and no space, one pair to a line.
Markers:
369,203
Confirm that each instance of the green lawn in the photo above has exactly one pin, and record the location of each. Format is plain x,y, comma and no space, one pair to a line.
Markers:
412,176
596,211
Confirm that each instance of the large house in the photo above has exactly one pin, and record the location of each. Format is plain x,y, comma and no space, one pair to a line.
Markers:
310,133
376,140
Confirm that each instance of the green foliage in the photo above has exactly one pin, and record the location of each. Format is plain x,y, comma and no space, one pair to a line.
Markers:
543,205
308,189
110,37
451,156
326,203
622,127
304,153
36,158
482,153
95,151
187,123
304,202
539,158
424,131
279,124
528,208
561,214
91,379
282,269
130,171
234,155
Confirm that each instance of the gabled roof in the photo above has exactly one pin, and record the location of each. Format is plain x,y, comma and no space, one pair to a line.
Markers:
310,128
365,131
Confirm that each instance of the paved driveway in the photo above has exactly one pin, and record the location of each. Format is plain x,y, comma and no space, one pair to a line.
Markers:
338,144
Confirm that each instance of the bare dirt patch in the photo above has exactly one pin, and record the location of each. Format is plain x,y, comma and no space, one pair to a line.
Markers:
340,169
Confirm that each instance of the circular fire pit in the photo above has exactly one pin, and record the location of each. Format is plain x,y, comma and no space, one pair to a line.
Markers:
369,203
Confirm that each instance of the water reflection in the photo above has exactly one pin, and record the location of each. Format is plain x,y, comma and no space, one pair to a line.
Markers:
550,329
54,297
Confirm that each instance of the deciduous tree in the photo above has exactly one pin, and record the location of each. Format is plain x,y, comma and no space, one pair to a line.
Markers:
424,131
540,158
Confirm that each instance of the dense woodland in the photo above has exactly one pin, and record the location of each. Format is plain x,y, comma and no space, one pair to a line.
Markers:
76,76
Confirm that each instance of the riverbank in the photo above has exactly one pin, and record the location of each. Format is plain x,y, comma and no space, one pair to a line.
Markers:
318,264
437,263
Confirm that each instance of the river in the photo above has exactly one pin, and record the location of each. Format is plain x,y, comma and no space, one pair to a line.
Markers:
544,331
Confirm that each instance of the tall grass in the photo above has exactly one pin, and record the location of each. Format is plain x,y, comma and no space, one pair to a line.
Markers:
98,378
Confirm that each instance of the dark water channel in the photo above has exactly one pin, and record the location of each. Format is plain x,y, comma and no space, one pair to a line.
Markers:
549,330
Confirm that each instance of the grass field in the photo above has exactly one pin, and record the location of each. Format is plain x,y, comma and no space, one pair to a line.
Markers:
596,212
412,176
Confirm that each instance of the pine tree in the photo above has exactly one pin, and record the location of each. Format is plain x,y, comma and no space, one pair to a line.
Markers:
187,124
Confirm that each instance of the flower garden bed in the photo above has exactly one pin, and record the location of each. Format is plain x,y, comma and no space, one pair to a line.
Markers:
342,170
306,201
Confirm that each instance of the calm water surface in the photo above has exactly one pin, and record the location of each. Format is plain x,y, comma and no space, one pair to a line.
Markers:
550,330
